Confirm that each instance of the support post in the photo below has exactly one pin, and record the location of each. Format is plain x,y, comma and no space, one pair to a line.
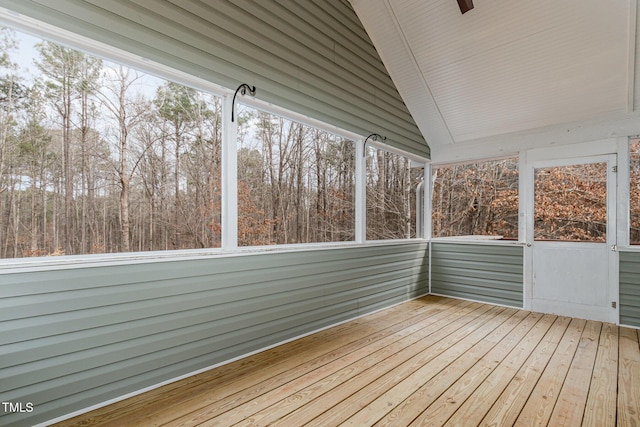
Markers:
229,176
361,193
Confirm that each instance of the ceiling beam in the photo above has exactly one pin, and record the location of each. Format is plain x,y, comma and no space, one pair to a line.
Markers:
465,5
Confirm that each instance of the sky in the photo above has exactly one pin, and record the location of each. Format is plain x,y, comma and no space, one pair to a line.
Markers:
26,54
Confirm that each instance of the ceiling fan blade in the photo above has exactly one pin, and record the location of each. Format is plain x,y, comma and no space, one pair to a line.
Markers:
465,5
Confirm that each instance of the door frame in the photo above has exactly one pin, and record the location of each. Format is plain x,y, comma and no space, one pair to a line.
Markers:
558,156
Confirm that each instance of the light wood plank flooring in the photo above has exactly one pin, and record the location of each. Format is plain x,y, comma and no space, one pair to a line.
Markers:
429,362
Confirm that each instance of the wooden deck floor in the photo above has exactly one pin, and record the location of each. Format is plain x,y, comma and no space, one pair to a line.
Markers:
433,361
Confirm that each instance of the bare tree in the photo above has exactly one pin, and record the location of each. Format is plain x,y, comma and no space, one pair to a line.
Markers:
127,110
69,75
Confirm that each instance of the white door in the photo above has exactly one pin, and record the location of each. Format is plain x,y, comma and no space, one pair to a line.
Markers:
573,229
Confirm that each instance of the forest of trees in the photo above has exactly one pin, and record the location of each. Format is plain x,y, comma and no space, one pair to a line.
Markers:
89,164
391,195
476,199
98,158
634,214
571,203
296,184
481,199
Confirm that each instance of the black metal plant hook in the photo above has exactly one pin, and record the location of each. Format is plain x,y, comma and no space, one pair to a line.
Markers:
373,136
243,88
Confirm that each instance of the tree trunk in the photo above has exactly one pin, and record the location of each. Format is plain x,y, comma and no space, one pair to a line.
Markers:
124,214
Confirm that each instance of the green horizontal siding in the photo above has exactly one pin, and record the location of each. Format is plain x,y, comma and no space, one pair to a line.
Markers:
312,57
75,337
630,288
488,273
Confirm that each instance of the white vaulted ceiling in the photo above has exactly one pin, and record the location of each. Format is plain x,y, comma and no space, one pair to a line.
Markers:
508,74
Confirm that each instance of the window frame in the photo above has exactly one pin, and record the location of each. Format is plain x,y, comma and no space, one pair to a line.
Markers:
353,143
422,210
478,239
229,244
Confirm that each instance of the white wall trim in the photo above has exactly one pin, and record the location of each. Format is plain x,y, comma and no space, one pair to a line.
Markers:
570,135
574,153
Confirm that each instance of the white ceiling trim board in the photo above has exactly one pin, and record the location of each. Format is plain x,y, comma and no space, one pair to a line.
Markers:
395,54
416,65
512,143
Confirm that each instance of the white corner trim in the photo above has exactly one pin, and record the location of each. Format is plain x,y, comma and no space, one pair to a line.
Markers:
418,70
